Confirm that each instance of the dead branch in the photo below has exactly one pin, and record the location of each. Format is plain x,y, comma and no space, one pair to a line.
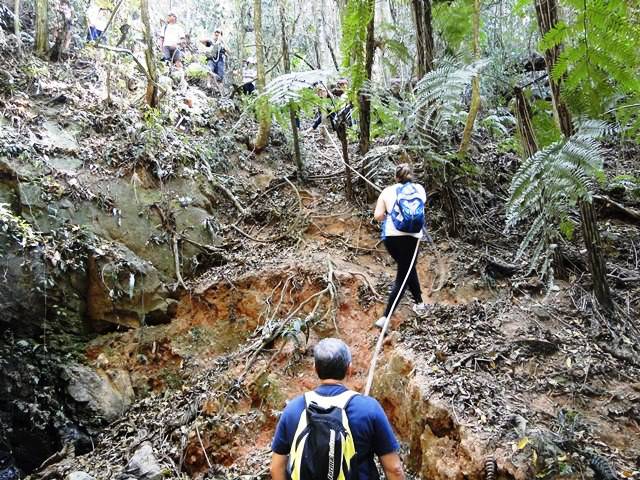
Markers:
229,195
293,226
127,52
630,213
176,259
367,281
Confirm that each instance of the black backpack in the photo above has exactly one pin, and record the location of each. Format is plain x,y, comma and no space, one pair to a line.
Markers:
323,446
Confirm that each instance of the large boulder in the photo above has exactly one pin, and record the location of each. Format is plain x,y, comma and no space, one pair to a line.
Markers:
105,394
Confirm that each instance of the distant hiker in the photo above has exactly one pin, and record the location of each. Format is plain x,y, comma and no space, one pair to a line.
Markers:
172,40
401,209
97,19
216,51
333,432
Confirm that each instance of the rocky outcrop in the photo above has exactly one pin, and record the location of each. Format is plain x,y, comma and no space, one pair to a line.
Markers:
124,290
439,447
102,394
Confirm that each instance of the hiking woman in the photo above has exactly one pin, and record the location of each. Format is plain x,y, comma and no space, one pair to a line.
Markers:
401,234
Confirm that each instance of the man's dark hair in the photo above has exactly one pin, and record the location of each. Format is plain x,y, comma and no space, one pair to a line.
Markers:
332,358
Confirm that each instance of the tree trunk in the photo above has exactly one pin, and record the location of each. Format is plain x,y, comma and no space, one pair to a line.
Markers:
42,27
365,100
424,35
547,15
597,265
341,131
524,124
316,34
262,105
287,69
62,32
16,18
152,78
475,84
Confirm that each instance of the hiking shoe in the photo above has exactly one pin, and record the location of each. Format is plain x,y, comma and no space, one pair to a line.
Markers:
380,322
420,309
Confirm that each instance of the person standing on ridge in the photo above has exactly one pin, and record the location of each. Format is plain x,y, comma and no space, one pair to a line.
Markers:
333,432
172,39
400,208
216,51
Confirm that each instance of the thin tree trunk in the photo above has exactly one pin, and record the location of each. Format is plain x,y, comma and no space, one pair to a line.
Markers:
364,99
262,105
341,130
62,31
42,27
524,124
152,78
475,84
424,35
597,265
16,18
287,69
547,16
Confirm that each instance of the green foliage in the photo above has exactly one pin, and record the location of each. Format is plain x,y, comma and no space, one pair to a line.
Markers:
547,187
600,58
439,106
355,18
544,124
453,21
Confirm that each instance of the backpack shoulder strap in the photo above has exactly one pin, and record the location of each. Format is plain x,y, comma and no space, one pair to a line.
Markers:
339,401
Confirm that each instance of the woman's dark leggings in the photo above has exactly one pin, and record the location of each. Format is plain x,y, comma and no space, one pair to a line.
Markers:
401,249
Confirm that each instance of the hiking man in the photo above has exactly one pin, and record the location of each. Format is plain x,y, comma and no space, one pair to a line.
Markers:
97,18
216,51
328,451
401,209
172,39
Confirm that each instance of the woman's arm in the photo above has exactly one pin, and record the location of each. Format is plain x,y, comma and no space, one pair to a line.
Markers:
381,210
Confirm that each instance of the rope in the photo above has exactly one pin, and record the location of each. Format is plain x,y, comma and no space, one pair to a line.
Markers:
376,353
346,164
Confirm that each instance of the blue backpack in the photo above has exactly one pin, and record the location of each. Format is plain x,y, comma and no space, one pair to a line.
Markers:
407,213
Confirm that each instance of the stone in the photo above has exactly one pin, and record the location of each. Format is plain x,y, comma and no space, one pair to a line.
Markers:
106,394
144,465
131,294
79,476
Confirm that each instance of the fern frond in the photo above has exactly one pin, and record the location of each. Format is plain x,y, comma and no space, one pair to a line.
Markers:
548,185
286,88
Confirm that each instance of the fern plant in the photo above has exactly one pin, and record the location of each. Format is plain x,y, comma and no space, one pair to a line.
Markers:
600,60
355,17
547,187
427,119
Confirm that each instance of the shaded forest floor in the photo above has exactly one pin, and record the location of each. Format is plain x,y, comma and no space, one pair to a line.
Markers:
538,379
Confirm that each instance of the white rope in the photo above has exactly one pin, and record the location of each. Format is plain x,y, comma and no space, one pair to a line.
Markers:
376,353
346,164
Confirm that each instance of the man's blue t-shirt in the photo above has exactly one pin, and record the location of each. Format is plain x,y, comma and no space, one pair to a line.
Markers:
372,433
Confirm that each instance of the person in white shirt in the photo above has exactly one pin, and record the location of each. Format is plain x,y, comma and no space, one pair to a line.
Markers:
400,245
172,39
97,18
